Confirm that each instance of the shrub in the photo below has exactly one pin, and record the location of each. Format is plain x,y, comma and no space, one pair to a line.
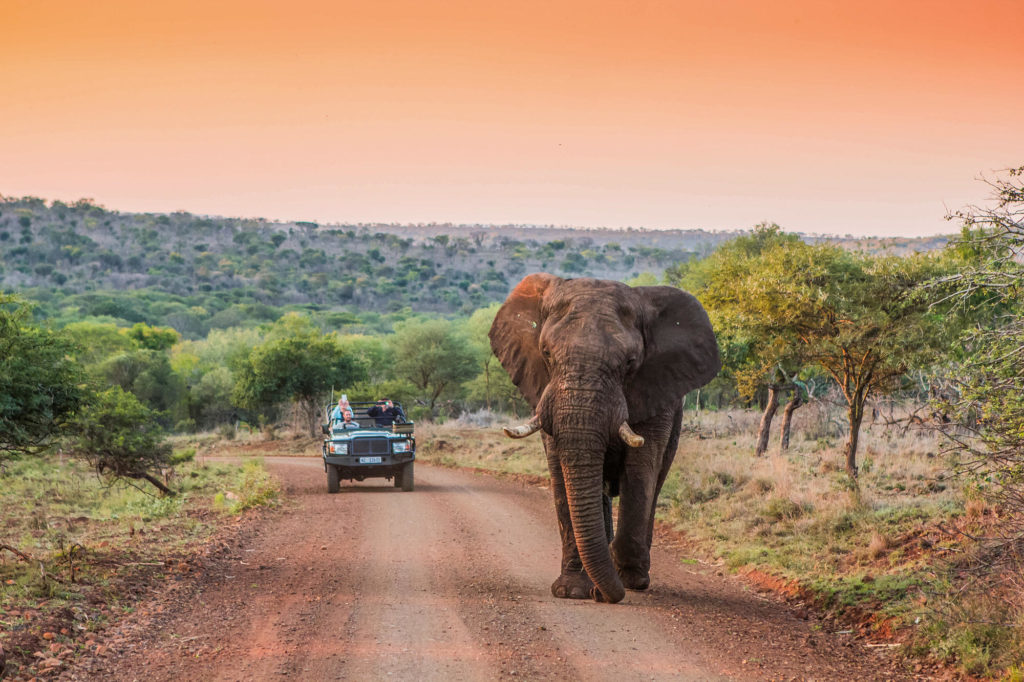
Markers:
781,508
258,488
119,436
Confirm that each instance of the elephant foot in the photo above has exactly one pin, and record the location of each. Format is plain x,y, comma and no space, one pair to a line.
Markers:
573,586
635,578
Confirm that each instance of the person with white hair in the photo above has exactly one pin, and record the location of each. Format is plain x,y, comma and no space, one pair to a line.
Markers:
342,409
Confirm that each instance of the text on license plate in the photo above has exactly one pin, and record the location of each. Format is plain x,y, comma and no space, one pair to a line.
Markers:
369,460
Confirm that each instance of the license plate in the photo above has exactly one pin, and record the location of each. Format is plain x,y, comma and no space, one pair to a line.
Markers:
369,460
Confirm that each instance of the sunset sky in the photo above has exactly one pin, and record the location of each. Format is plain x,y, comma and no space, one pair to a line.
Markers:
870,117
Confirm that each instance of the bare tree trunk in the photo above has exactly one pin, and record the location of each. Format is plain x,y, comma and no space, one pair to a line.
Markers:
487,385
787,417
766,420
856,417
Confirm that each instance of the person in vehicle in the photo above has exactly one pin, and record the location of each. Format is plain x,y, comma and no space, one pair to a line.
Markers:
341,409
347,422
385,413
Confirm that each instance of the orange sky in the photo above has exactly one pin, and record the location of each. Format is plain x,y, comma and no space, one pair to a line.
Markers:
865,117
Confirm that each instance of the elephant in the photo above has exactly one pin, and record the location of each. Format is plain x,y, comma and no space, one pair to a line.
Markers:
605,367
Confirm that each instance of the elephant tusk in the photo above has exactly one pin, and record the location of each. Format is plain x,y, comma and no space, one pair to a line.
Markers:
523,430
631,439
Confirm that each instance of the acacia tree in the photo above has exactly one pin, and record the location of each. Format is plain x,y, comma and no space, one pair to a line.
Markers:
40,383
859,318
297,363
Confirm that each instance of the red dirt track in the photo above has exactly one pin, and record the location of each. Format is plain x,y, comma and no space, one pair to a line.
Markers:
451,582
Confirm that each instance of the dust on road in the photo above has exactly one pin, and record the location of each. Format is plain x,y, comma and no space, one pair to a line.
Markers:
451,582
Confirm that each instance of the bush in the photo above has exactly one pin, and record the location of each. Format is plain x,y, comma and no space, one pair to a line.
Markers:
183,456
258,488
185,426
120,438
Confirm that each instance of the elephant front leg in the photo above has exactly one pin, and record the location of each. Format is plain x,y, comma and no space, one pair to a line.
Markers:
631,549
573,582
642,477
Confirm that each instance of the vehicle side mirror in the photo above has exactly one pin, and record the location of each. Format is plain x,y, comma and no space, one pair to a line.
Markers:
326,429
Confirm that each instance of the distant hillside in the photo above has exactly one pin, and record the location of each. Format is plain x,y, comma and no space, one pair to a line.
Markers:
198,272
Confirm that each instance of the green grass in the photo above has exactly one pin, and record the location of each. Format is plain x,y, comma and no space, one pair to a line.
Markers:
98,541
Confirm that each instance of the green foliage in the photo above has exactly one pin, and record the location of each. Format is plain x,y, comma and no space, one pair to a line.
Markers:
40,384
182,456
120,437
297,363
393,389
987,410
492,387
210,398
433,356
152,338
781,305
149,376
96,341
257,488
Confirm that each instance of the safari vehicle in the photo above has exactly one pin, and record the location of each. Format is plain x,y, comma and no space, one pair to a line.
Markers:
373,450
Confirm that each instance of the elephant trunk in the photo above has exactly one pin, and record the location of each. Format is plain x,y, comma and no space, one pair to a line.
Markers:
581,431
583,489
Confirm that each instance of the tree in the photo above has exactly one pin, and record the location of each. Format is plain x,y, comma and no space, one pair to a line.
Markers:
96,341
120,438
477,327
152,338
861,319
41,387
988,410
433,356
149,376
297,363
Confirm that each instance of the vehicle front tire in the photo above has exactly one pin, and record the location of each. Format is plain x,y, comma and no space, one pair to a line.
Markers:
407,478
333,479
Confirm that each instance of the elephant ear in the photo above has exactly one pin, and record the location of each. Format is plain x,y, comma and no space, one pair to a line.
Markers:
515,335
680,352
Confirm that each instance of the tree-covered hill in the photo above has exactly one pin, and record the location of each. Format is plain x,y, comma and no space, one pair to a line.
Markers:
197,273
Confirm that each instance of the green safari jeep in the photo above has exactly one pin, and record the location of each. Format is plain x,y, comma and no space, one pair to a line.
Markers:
369,447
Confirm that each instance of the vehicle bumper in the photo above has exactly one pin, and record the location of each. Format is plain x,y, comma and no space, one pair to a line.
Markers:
387,462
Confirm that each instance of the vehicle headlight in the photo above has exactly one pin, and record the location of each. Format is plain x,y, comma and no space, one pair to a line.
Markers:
400,446
339,448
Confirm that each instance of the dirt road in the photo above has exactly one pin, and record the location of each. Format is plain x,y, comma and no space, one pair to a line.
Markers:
451,582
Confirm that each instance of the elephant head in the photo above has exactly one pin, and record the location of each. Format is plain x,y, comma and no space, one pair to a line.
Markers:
593,357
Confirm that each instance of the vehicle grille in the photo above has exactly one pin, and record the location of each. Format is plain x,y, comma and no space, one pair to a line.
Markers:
370,446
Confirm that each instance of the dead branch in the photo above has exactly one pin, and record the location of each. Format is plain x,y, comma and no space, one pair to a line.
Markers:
17,552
